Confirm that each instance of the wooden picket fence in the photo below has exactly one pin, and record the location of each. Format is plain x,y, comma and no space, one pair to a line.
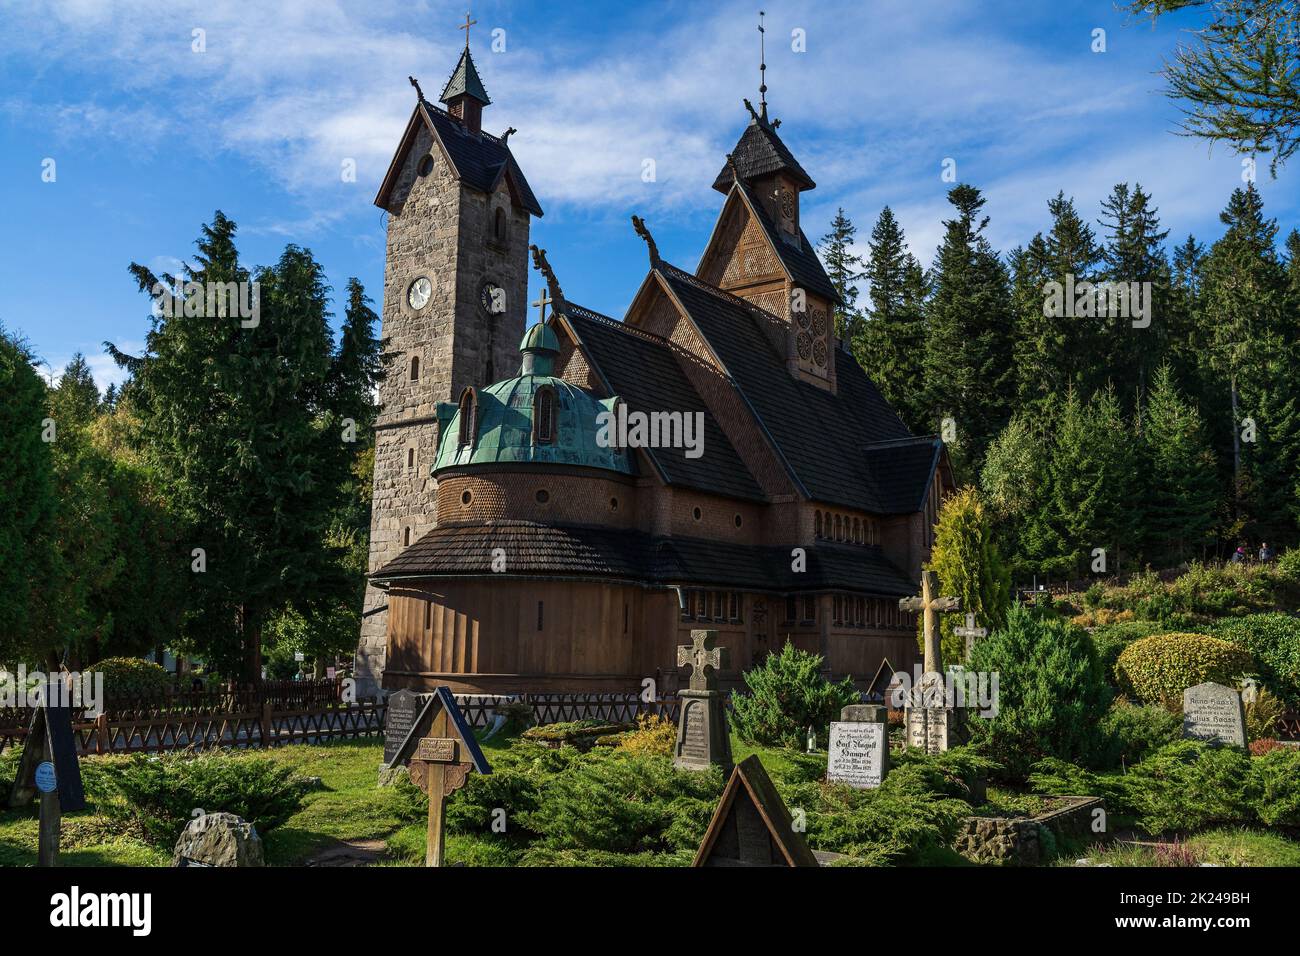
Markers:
479,709
277,713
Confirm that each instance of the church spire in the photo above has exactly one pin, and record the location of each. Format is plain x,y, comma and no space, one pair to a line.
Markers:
464,93
762,68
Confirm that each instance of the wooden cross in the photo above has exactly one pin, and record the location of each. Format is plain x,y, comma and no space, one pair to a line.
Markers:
971,633
468,23
930,604
438,770
542,302
699,655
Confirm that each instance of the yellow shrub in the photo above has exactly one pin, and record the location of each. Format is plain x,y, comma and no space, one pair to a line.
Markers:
654,736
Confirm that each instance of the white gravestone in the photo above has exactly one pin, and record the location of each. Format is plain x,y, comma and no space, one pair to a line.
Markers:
857,754
1215,714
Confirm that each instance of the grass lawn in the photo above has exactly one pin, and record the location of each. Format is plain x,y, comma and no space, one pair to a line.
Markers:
1228,846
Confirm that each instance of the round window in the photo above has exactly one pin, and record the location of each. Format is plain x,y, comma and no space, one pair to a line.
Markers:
466,497
613,504
426,165
543,496
739,521
697,514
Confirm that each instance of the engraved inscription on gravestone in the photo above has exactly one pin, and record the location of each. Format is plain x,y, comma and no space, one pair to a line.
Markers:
857,753
694,742
401,710
1214,713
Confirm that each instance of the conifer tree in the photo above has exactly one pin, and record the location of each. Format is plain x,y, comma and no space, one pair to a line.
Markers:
845,269
967,368
890,345
1183,493
970,566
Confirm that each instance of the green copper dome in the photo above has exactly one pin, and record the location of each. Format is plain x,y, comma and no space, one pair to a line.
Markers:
534,418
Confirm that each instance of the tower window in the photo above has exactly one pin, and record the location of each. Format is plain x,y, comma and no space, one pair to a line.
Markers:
466,497
410,459
415,368
468,417
426,165
544,416
697,514
499,226
739,520
406,536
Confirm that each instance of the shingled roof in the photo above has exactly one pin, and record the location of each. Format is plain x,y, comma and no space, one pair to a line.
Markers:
539,550
464,81
478,160
832,443
758,153
801,262
644,372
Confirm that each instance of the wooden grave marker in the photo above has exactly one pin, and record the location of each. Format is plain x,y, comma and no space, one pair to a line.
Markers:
440,750
49,766
751,826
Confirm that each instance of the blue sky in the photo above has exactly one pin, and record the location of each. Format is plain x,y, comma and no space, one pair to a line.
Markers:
150,137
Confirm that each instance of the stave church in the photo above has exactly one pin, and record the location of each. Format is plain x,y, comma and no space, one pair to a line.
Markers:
516,548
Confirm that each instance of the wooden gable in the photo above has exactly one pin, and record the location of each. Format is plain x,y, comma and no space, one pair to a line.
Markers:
752,826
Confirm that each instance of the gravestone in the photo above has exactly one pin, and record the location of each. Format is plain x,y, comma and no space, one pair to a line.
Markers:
399,717
751,826
859,747
702,736
931,724
218,839
1215,714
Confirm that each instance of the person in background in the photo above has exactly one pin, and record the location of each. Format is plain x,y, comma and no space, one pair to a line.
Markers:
1239,556
1265,552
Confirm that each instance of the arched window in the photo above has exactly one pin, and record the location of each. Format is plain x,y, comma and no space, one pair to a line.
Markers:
817,524
544,416
406,536
410,458
857,531
499,225
415,368
839,532
468,417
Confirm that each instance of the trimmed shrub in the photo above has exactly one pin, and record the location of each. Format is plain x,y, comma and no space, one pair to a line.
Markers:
1273,640
156,796
1135,731
132,677
1111,639
1159,668
787,695
1051,692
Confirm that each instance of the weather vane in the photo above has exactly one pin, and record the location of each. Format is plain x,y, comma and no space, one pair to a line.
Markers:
762,67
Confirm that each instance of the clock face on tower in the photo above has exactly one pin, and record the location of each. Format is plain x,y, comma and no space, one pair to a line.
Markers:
417,296
493,298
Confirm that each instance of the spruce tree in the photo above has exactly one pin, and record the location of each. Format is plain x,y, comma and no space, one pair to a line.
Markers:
1183,493
967,368
845,269
893,336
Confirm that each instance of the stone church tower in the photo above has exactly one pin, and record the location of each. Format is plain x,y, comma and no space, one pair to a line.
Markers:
455,306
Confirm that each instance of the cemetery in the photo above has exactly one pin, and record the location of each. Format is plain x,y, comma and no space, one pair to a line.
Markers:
1095,757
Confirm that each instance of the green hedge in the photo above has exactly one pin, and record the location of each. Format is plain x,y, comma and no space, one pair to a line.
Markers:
1111,639
1159,668
132,677
1273,640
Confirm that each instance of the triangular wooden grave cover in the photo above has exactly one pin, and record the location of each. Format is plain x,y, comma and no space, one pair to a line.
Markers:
54,723
752,826
442,698
879,686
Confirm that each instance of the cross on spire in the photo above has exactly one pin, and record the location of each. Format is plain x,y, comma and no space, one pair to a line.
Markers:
468,23
542,302
701,654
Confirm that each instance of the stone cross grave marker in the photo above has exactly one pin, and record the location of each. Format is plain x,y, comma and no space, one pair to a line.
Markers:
702,737
931,724
971,633
1214,713
858,754
440,750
